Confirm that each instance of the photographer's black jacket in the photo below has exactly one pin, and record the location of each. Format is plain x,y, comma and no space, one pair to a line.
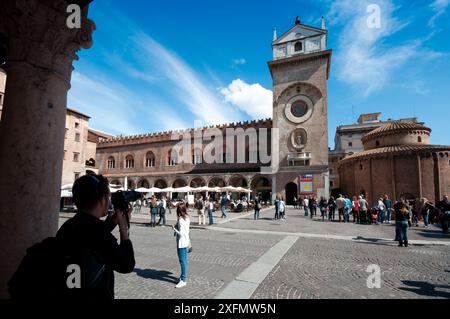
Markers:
85,232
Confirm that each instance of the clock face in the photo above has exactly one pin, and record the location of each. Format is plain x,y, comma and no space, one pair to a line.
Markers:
299,108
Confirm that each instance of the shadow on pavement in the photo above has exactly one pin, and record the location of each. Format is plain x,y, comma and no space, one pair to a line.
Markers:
162,275
426,289
431,233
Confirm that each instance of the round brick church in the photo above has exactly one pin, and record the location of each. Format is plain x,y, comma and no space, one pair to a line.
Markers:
398,161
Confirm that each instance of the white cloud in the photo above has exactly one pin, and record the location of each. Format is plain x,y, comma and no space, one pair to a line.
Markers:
240,61
253,99
116,110
363,60
185,84
439,7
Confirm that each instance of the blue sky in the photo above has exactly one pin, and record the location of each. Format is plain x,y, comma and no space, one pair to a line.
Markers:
161,65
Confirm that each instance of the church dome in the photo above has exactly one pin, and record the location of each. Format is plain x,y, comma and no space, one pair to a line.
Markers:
397,133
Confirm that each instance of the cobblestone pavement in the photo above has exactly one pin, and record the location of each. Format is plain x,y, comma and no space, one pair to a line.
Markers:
217,259
311,267
337,269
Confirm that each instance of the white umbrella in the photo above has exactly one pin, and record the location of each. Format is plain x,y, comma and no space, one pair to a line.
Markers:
67,187
113,190
243,190
66,193
184,189
229,189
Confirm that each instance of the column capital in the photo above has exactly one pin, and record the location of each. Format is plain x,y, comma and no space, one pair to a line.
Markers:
36,33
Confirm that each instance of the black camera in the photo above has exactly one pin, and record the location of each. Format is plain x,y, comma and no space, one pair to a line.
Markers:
121,199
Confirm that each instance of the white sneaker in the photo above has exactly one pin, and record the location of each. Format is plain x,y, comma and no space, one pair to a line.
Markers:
181,284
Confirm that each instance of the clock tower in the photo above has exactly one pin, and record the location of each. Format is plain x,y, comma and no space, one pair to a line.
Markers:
300,69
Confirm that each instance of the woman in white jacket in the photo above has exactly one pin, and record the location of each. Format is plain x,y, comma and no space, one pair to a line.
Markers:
183,241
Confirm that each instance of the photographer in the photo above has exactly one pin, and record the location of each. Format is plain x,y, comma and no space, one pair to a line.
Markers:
87,236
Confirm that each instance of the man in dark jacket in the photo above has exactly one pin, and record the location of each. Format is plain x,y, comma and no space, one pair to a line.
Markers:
89,238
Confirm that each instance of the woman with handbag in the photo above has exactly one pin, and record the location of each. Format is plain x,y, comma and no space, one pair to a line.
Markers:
181,229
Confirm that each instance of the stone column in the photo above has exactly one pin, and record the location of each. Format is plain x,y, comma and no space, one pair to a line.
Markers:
40,51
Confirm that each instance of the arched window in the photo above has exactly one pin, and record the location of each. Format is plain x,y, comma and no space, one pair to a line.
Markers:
111,162
172,159
197,157
419,139
298,47
150,159
129,161
377,143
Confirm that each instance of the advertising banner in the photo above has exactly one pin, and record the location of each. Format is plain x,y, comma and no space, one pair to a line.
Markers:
306,185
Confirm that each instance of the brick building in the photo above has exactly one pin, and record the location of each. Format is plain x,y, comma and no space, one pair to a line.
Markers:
80,146
348,141
398,161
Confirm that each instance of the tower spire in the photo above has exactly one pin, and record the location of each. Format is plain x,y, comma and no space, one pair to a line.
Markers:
274,34
297,20
323,23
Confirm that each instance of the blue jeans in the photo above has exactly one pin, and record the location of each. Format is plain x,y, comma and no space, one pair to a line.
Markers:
347,214
153,218
381,216
223,211
306,210
182,257
277,215
403,227
210,216
425,218
256,216
388,214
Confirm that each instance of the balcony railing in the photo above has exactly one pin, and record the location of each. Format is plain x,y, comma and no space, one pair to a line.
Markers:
303,156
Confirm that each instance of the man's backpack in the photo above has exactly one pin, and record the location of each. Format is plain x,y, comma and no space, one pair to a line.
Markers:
199,204
44,272
41,273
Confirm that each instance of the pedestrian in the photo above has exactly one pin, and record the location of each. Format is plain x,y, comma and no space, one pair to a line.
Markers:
89,238
348,208
153,211
402,221
162,212
223,205
381,209
277,201
295,202
282,209
210,207
331,208
306,206
323,207
199,205
341,205
257,208
312,206
388,204
181,229
355,210
425,211
363,208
